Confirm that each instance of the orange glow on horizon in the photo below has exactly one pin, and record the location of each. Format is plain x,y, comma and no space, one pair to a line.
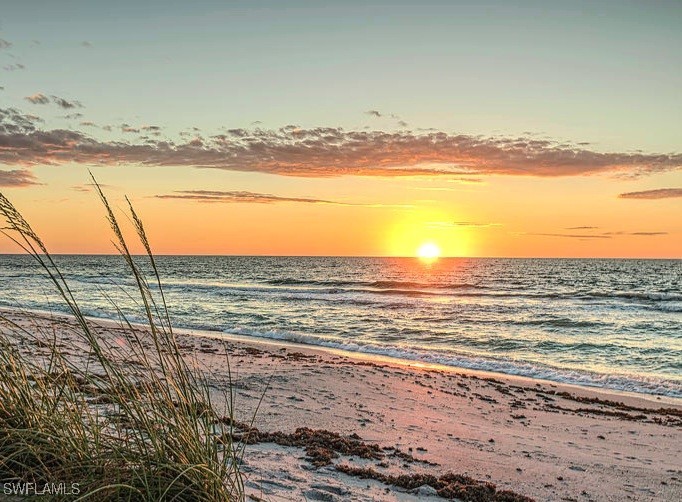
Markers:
501,217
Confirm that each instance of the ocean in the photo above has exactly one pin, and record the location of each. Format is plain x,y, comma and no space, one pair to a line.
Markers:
608,323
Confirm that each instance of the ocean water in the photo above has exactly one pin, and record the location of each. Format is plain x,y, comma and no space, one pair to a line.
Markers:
608,323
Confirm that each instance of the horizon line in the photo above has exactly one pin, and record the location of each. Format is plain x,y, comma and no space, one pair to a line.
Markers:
216,255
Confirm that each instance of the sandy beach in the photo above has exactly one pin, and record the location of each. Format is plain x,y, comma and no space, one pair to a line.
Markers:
328,425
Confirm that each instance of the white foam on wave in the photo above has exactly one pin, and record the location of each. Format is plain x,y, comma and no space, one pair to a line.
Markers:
636,384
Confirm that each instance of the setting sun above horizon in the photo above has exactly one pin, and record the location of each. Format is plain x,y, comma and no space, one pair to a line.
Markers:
428,251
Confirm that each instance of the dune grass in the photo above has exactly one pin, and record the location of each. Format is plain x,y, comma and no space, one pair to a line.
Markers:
135,422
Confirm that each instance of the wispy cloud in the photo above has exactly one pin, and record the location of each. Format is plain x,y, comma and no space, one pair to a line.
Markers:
17,178
4,44
14,67
636,233
576,236
37,99
462,224
581,228
242,196
89,187
66,104
602,235
41,99
378,114
233,196
474,224
325,152
659,193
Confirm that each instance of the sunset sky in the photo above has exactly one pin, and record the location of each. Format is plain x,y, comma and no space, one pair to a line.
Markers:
347,128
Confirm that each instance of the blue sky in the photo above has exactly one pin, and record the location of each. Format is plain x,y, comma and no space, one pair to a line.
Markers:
605,72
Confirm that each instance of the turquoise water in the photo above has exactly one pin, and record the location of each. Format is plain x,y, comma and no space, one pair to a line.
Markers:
609,323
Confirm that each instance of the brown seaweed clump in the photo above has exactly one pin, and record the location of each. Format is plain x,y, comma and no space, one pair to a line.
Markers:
321,446
449,485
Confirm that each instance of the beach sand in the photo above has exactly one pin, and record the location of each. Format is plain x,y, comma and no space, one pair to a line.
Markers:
539,439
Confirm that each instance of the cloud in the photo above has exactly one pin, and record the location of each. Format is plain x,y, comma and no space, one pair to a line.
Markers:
659,193
603,235
88,187
4,44
87,44
577,236
474,224
325,152
581,228
241,196
636,233
38,99
17,178
378,114
63,103
462,224
41,99
14,67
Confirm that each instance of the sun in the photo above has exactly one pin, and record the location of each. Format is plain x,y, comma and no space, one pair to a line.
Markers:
428,251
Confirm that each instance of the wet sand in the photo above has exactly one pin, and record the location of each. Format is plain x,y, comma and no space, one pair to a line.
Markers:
383,419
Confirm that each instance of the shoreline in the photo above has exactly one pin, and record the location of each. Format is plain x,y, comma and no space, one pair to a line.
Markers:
604,392
542,440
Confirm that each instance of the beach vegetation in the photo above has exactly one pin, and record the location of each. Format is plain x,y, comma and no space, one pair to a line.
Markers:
136,422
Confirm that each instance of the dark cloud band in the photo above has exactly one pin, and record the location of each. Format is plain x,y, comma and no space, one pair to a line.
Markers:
324,152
